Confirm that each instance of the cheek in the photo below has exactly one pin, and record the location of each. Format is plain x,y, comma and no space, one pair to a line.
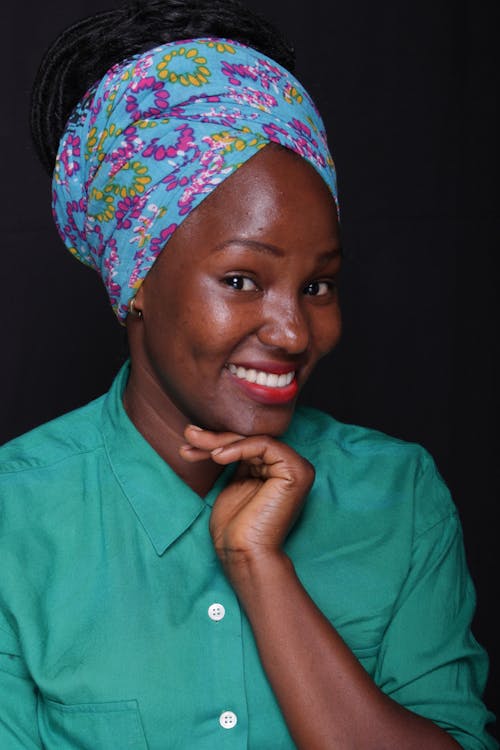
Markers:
211,328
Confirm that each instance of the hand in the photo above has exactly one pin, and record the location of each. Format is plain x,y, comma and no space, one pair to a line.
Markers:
253,515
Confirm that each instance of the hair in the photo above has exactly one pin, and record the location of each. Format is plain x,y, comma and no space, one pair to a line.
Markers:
84,52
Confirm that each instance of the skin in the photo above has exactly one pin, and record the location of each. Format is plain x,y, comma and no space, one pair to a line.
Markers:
248,279
195,323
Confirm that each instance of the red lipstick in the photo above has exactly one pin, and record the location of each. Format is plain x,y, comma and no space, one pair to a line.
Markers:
266,394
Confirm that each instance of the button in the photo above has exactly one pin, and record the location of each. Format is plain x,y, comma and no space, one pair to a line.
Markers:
228,720
216,612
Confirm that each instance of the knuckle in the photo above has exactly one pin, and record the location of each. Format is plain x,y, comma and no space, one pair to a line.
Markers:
302,473
308,472
265,440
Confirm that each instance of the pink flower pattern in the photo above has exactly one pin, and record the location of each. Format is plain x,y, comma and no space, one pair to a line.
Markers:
141,151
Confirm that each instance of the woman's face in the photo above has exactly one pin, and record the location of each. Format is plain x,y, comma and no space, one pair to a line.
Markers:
243,301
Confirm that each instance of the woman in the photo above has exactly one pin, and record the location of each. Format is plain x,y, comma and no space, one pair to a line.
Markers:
189,561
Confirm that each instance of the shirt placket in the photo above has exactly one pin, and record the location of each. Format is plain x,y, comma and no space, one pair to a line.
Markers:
228,701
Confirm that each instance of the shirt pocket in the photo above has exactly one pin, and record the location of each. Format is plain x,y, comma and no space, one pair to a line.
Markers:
91,726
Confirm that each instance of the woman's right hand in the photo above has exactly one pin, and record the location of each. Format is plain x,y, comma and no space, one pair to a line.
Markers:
254,513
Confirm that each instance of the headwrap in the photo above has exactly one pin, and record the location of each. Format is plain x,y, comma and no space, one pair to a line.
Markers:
156,135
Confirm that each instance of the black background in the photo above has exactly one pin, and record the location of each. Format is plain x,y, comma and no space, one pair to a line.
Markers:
409,94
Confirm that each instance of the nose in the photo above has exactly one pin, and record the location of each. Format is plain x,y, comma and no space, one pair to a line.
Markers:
285,325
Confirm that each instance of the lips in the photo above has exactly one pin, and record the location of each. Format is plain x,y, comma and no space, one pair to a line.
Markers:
276,384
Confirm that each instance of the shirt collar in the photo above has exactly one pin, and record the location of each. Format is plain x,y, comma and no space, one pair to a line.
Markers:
162,501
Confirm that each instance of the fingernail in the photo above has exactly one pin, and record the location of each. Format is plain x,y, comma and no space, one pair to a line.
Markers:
194,427
216,451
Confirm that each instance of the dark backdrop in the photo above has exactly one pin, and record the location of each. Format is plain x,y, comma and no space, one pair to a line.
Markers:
408,91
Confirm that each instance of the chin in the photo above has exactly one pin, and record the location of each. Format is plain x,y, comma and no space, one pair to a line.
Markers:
272,424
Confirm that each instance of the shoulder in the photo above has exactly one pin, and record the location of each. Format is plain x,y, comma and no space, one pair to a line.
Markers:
47,478
50,451
42,517
324,434
373,469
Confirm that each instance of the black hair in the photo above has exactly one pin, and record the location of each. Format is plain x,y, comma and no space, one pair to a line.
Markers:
83,53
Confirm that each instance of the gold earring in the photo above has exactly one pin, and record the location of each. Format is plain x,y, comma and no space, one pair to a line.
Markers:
133,311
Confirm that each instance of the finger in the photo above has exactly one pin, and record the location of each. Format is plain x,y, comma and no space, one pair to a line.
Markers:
188,453
269,457
258,470
258,449
209,440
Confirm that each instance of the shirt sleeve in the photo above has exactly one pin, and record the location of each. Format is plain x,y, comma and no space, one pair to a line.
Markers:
429,660
18,699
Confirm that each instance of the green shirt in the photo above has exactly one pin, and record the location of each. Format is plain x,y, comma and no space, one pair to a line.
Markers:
119,630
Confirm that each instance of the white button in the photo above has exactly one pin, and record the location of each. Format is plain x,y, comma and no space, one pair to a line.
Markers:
228,720
216,612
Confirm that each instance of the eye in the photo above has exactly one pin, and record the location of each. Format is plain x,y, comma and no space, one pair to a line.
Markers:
239,282
319,288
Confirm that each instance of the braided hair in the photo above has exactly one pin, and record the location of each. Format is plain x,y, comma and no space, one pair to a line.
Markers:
83,53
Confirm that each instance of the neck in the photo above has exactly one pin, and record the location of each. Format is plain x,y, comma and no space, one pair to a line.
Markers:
162,424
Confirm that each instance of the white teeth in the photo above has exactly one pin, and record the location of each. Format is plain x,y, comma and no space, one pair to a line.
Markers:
269,379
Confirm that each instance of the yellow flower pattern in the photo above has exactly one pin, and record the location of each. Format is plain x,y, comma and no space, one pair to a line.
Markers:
185,66
157,134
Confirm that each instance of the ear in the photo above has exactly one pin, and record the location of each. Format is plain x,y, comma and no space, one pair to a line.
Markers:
135,307
138,304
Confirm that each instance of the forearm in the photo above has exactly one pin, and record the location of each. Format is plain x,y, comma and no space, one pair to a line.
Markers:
328,700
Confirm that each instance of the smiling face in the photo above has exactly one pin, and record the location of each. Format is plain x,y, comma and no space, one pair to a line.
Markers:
243,302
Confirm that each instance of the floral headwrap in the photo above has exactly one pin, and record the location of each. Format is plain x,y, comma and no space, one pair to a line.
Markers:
156,135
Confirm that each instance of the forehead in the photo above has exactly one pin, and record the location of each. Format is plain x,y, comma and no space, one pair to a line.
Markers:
276,196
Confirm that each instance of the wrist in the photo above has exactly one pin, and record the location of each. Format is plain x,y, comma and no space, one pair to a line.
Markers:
255,567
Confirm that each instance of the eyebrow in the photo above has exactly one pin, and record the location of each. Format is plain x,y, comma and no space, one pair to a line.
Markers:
266,247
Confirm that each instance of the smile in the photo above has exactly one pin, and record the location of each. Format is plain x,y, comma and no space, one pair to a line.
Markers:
264,387
267,379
